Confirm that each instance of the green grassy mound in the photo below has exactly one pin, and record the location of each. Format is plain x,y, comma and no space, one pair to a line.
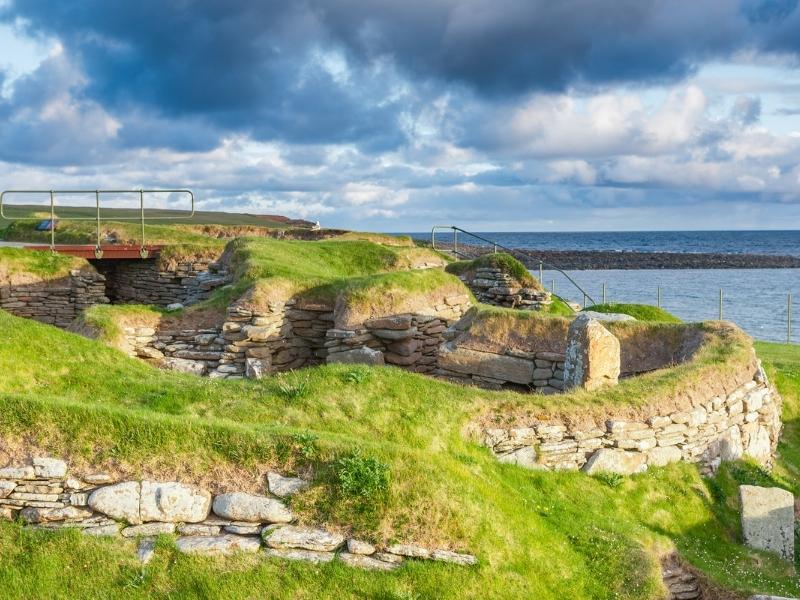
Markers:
642,312
536,534
43,265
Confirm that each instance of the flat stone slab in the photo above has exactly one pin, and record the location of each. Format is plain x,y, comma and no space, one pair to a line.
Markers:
768,519
612,460
357,356
305,555
303,538
367,562
486,364
239,506
218,545
285,486
174,502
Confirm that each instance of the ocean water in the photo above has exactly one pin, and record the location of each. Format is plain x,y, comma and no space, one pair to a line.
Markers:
755,299
736,242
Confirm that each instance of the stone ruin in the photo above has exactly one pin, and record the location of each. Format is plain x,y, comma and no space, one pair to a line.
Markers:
493,285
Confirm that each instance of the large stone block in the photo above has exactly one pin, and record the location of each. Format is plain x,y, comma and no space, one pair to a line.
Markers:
303,538
119,501
612,460
486,364
593,355
363,356
238,506
173,502
768,519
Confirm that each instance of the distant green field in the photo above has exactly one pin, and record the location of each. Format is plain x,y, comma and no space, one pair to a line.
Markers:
155,215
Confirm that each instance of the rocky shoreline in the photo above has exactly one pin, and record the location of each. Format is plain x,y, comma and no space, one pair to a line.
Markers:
608,259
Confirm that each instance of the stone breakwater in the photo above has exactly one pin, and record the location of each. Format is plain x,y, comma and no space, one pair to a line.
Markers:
492,285
44,496
286,335
715,428
57,301
607,259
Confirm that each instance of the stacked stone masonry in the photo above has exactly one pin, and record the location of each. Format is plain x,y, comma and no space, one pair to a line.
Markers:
745,422
294,334
56,302
43,495
492,285
151,282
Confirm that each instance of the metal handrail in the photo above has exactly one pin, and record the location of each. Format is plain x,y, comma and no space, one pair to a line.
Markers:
510,251
98,252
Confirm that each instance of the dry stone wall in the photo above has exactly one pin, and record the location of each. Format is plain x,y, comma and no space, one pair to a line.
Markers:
44,495
253,342
56,302
151,282
492,285
745,421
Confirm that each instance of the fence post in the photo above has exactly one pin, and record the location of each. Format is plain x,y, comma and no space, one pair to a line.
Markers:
658,296
604,292
541,273
455,242
553,286
789,318
584,300
720,304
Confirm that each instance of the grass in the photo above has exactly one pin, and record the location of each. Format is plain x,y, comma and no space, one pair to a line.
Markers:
537,534
44,265
641,312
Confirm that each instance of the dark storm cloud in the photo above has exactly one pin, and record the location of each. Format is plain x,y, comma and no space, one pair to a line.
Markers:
247,65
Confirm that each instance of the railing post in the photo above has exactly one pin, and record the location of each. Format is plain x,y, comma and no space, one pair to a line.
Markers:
604,292
98,252
455,241
720,304
658,296
584,301
142,251
52,222
433,238
541,273
789,318
553,287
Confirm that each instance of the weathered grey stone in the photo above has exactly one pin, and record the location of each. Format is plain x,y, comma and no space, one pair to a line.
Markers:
409,550
367,562
362,356
305,555
199,529
239,506
359,547
48,515
285,486
146,550
119,501
303,538
395,559
184,365
244,529
768,519
593,355
395,322
486,364
256,368
218,545
102,530
148,529
454,557
661,456
49,468
6,487
394,334
759,446
25,472
98,478
616,461
524,457
173,502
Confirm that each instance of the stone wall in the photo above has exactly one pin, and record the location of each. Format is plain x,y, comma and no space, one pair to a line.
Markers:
492,285
44,496
253,342
716,427
150,281
56,301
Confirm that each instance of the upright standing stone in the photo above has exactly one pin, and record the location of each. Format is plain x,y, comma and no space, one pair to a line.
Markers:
768,519
593,357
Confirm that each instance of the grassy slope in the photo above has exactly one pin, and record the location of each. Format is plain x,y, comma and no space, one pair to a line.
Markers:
45,265
543,535
642,312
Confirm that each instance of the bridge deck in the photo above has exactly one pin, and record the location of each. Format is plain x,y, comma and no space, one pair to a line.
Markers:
110,251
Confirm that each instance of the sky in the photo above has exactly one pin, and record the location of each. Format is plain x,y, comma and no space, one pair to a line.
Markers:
396,115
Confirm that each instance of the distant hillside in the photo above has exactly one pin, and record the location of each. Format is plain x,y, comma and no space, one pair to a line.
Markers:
153,215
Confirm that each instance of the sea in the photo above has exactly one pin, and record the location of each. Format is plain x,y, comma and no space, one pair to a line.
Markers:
760,301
